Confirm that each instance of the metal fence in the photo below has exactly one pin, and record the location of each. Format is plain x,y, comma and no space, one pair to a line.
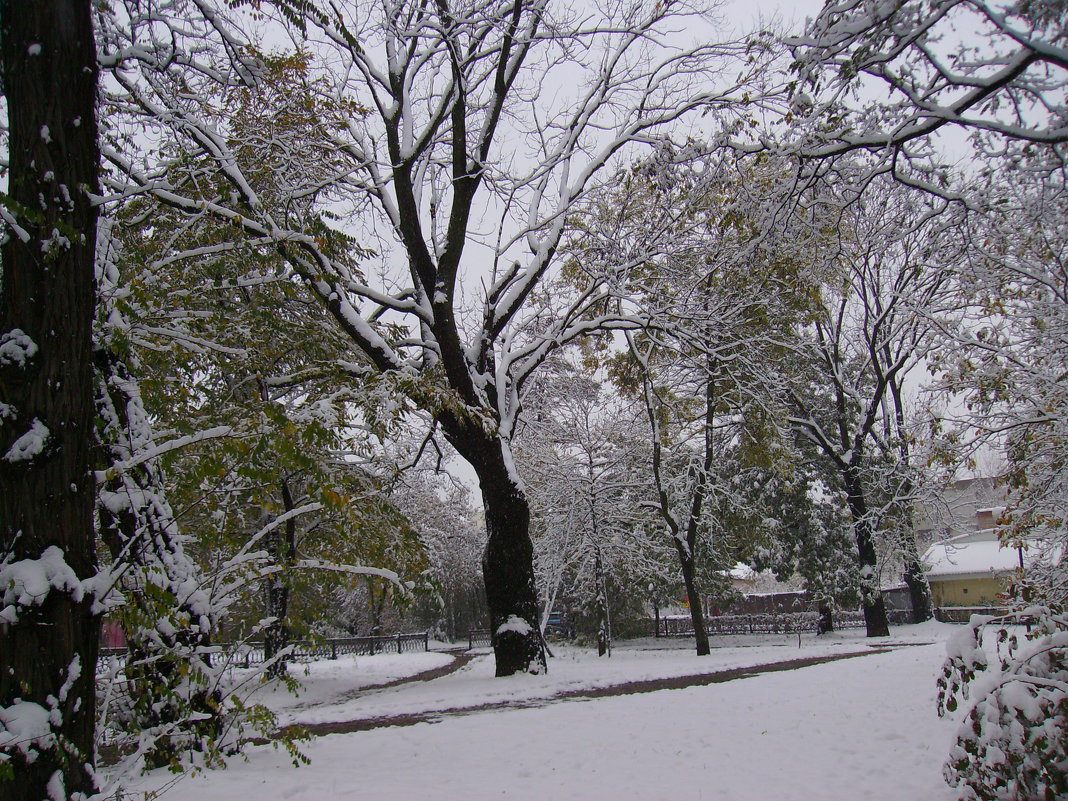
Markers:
479,638
780,623
963,614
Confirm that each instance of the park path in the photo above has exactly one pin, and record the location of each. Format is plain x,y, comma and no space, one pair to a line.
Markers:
626,688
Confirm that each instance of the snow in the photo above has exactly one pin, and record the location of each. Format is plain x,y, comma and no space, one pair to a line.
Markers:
30,444
26,726
27,582
970,558
16,347
854,729
516,624
57,791
337,682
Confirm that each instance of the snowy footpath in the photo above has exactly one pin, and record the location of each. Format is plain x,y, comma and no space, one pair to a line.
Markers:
846,730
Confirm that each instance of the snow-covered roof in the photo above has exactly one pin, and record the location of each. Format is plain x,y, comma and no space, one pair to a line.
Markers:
961,558
742,572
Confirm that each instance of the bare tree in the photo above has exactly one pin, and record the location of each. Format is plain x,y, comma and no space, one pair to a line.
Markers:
876,325
445,128
582,454
1003,81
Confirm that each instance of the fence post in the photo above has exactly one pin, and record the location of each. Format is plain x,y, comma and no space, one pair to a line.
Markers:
400,649
470,639
333,649
426,640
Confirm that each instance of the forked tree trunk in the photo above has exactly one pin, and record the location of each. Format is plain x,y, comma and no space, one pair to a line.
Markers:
48,654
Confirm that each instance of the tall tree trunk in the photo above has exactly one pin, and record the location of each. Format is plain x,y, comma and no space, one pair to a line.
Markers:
276,633
48,652
508,570
508,561
276,586
915,577
693,595
875,620
916,581
688,551
376,602
604,620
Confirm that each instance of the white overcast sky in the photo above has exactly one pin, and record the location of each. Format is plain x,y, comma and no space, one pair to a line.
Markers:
746,13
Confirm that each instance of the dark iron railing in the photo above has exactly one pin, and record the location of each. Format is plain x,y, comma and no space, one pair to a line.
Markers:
772,623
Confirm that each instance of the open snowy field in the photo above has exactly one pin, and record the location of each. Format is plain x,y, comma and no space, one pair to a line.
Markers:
852,729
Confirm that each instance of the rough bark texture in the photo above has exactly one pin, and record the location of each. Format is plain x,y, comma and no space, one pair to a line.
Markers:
508,570
693,595
875,619
919,587
508,562
48,292
276,587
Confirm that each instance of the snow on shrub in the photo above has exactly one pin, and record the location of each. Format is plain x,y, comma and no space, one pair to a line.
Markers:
1013,744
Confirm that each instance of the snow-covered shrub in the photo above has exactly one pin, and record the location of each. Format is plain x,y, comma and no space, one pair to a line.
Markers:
1013,744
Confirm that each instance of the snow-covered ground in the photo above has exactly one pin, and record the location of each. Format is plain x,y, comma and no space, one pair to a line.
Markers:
862,728
329,684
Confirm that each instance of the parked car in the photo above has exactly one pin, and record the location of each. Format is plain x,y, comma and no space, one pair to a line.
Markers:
559,625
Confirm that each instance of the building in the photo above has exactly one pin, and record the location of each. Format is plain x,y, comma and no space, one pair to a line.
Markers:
965,561
971,569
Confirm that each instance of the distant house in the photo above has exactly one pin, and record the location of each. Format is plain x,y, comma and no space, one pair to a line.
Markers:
965,563
970,569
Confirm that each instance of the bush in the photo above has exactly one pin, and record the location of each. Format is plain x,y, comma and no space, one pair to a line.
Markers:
1013,745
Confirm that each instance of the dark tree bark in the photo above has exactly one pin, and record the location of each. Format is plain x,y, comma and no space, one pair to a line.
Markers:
693,595
915,577
283,552
826,621
508,562
875,620
919,587
604,620
688,551
48,654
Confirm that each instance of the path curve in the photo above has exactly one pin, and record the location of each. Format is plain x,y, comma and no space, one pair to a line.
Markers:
626,688
460,660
